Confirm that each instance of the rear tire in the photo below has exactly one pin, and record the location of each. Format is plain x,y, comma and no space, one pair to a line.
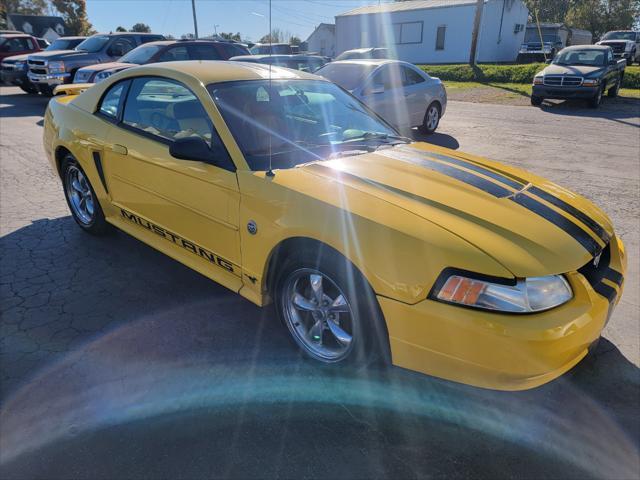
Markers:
81,198
431,119
536,101
352,332
46,90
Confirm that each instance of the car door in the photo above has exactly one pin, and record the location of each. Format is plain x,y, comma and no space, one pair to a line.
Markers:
417,94
188,209
174,53
384,93
206,51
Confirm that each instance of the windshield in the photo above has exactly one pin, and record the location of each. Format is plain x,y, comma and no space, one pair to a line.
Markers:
620,36
533,36
295,121
93,44
348,75
141,55
63,44
595,58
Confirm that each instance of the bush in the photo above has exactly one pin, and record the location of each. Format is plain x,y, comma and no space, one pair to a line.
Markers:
507,73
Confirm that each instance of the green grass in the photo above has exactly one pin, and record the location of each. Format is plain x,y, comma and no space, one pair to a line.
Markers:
517,89
508,74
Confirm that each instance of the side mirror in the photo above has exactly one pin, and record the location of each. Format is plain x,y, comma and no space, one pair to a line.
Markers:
192,148
613,62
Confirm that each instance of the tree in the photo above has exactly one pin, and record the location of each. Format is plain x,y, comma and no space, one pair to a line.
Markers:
294,40
141,28
231,36
549,10
22,7
600,17
120,29
74,14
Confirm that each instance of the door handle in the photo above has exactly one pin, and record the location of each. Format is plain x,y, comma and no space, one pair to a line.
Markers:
119,149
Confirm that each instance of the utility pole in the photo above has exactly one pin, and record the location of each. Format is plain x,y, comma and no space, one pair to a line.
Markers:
476,32
195,20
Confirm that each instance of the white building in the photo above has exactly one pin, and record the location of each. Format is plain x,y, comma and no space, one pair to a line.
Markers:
435,31
323,40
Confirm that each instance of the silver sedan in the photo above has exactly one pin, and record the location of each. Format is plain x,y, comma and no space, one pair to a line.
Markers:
399,92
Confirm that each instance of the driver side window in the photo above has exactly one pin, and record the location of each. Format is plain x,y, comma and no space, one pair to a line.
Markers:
388,78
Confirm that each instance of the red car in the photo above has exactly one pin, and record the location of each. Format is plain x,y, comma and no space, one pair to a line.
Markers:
16,43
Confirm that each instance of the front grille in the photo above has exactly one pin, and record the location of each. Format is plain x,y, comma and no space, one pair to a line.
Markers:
36,63
616,47
7,68
562,80
38,71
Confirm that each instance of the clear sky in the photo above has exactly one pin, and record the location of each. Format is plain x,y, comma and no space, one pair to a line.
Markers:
249,17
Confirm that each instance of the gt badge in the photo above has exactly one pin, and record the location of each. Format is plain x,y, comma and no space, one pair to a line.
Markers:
252,227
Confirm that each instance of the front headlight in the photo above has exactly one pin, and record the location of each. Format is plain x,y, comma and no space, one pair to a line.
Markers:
629,47
20,65
56,67
529,295
102,76
590,82
538,80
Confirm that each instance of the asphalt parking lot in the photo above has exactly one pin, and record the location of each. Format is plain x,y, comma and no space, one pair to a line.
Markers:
117,362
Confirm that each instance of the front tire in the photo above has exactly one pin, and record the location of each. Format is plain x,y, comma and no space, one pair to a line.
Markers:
536,101
28,89
613,91
595,101
431,119
81,198
330,310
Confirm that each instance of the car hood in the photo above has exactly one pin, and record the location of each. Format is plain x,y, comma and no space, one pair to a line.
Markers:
99,67
15,58
571,70
60,54
542,230
615,42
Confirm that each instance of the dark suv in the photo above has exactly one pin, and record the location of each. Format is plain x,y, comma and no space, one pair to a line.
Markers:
48,69
164,51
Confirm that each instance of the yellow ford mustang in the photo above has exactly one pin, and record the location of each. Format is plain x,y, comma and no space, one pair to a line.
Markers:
284,188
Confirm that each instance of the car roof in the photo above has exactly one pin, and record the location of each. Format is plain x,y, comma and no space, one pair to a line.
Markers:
587,47
217,71
375,62
15,35
113,34
278,56
182,42
77,37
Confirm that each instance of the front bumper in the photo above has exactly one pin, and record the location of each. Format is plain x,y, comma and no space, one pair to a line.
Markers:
500,351
15,77
49,79
564,93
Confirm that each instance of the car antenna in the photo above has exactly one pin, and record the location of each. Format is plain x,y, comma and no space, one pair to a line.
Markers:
270,171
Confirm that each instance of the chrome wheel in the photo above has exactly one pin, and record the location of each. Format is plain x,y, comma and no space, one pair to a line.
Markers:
433,118
80,196
318,315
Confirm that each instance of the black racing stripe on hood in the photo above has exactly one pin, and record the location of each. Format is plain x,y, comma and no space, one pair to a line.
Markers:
578,234
479,169
463,176
571,210
615,277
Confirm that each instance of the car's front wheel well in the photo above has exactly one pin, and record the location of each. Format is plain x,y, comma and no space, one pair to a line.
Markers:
61,154
299,247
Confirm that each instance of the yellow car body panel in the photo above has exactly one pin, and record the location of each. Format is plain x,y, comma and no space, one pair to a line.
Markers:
401,216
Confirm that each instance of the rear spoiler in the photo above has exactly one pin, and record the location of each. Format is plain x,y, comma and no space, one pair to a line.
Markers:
72,88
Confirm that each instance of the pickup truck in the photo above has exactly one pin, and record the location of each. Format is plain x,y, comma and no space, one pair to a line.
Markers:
625,44
580,72
15,68
49,69
17,43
